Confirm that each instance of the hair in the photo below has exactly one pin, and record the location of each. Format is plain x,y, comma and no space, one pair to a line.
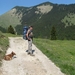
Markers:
30,26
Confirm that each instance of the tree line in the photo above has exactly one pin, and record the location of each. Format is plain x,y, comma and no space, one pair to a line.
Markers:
53,35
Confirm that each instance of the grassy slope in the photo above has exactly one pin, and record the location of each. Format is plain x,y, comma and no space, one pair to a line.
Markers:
9,19
4,43
62,53
69,20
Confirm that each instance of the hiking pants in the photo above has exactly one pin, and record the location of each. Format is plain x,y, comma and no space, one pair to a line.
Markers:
30,46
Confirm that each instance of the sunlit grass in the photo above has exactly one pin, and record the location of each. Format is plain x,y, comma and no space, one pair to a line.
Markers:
62,53
4,43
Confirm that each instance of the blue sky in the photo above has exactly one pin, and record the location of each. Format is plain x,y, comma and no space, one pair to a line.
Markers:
6,5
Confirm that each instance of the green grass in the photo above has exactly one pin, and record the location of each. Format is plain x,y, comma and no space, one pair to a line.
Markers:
11,35
62,53
4,44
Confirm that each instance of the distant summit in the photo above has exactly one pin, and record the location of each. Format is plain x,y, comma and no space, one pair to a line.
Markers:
43,17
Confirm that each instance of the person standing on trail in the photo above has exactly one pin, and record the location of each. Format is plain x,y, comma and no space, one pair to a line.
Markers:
30,38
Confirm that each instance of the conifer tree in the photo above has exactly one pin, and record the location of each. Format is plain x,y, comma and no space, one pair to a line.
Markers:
11,30
53,33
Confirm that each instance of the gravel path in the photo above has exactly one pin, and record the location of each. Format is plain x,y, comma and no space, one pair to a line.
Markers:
25,64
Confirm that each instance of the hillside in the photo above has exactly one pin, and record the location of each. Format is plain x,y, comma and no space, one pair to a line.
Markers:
10,18
43,17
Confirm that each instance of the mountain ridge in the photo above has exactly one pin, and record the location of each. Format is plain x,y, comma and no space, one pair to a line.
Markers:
43,17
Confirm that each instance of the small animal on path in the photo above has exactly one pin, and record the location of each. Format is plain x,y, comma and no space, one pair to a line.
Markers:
9,56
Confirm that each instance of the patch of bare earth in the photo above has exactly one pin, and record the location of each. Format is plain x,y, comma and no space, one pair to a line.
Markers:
25,64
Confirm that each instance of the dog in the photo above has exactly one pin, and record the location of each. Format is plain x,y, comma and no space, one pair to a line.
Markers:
9,56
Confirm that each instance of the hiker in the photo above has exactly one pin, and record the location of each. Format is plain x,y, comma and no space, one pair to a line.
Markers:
29,36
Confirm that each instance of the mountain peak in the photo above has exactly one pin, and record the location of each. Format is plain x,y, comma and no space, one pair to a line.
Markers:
46,3
42,17
43,9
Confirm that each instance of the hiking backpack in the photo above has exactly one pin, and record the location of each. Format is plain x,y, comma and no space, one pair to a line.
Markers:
25,29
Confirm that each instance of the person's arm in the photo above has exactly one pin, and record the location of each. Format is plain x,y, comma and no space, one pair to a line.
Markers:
28,35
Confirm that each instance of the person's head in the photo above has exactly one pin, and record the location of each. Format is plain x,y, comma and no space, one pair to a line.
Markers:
31,27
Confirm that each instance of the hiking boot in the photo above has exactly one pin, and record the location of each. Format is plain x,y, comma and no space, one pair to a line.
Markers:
32,55
28,53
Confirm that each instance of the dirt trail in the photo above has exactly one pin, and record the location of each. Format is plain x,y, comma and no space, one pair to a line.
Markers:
25,64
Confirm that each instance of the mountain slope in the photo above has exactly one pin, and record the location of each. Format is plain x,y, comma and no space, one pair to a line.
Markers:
43,17
9,18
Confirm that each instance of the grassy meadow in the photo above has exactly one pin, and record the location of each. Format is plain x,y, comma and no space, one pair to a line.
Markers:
61,52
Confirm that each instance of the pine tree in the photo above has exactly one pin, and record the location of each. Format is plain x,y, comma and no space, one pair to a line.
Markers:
53,33
11,30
